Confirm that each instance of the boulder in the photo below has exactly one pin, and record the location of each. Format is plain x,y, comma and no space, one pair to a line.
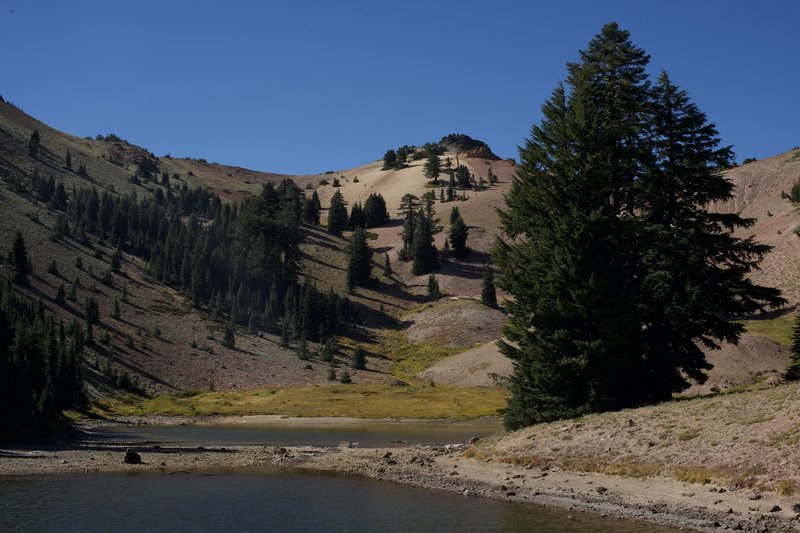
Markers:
132,458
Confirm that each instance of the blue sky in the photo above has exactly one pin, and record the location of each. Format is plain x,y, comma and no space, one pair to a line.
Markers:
305,87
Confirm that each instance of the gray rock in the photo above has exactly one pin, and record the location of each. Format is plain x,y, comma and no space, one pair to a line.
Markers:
754,496
601,490
796,507
775,509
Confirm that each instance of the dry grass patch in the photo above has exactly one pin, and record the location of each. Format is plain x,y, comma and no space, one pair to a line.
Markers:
364,400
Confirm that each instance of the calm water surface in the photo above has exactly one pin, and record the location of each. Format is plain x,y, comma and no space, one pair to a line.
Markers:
266,501
366,435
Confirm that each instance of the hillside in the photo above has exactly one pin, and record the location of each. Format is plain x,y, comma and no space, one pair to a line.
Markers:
160,343
175,347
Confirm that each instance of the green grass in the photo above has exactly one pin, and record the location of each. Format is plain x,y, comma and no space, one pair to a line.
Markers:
411,359
778,329
364,400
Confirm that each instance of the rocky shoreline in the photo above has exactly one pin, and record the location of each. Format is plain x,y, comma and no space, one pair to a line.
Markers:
654,500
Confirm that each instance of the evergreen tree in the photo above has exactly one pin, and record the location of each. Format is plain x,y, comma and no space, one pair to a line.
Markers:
356,217
423,252
387,265
359,358
34,144
61,295
344,377
69,161
19,258
375,212
432,167
337,214
463,178
793,370
488,292
389,159
311,209
433,287
458,236
591,334
115,314
359,263
228,336
91,311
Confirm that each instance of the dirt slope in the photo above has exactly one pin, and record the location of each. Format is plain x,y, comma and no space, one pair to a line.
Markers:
759,189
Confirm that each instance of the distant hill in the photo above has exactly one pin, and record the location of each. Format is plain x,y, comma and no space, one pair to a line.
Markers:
160,342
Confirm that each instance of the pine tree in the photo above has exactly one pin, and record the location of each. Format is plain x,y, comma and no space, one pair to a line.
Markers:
359,358
228,336
115,314
69,161
433,287
589,334
423,252
389,159
458,236
34,144
488,292
387,265
359,263
793,370
19,258
337,214
61,295
432,167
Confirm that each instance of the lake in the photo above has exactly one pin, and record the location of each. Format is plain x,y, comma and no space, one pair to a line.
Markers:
267,500
371,434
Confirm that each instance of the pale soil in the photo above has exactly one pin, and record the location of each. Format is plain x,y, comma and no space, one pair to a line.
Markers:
455,323
758,195
476,367
443,467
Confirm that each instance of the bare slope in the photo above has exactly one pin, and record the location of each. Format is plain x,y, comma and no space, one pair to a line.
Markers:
760,192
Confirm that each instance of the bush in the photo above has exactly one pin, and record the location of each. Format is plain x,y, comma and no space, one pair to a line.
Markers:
345,377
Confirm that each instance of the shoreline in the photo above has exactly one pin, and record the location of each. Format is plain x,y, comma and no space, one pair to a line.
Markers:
656,500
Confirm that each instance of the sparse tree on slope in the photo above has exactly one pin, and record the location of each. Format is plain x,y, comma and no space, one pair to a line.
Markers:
337,214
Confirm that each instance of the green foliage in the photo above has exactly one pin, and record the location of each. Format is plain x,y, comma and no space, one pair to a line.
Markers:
359,358
344,377
337,214
331,374
432,167
488,292
311,209
433,287
619,275
40,365
359,262
91,311
463,178
458,236
19,259
228,337
34,143
389,159
375,212
794,194
52,267
793,370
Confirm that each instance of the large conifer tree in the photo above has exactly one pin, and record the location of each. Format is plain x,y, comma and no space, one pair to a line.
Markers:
337,214
598,274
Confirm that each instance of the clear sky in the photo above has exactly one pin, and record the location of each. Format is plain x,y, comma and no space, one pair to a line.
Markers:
305,87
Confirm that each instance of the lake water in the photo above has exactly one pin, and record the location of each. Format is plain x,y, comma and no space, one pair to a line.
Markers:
267,500
373,434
